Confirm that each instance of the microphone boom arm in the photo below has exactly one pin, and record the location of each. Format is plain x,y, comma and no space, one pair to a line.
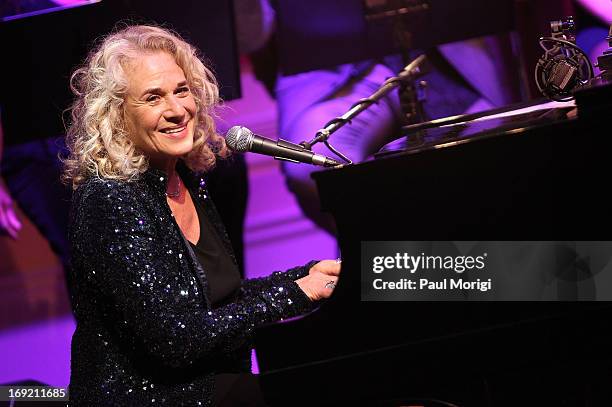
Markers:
410,71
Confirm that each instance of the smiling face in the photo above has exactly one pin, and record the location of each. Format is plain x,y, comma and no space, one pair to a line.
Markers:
160,109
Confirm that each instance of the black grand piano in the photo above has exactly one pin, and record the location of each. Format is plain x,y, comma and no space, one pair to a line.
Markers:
541,176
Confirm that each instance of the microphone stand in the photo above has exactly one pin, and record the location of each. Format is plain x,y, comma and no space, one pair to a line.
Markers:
407,75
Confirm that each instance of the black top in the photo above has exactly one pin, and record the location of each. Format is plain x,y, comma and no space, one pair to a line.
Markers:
221,271
223,287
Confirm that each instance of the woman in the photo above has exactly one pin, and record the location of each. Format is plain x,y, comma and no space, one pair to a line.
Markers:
160,308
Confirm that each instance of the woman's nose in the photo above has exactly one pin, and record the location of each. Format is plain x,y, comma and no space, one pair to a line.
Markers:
175,108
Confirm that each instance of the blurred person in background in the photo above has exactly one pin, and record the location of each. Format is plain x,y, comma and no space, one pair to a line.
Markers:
594,18
466,77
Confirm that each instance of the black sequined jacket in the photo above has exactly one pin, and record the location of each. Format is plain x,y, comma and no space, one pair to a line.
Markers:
146,333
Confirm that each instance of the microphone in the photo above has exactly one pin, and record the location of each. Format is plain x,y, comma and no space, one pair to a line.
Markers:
241,139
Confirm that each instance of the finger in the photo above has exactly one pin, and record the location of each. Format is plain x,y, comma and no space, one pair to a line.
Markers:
330,282
4,224
8,218
329,287
13,220
3,219
329,267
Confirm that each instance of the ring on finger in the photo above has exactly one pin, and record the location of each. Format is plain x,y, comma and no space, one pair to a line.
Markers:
330,284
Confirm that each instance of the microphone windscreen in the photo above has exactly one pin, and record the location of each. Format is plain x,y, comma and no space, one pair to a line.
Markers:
237,138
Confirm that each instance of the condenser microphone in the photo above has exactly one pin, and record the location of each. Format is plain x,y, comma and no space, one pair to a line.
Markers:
241,139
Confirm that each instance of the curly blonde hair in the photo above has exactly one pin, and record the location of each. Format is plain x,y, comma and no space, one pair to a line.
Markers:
97,137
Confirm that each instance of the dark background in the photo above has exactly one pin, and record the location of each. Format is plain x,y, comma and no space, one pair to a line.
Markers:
40,52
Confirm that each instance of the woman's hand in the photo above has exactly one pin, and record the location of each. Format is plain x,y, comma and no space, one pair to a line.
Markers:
321,280
329,267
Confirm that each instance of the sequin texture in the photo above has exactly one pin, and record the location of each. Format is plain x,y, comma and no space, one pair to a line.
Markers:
146,333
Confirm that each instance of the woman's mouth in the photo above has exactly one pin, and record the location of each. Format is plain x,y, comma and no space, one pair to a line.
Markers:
175,132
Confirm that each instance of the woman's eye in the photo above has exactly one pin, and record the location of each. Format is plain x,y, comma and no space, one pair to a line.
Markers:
182,91
152,98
